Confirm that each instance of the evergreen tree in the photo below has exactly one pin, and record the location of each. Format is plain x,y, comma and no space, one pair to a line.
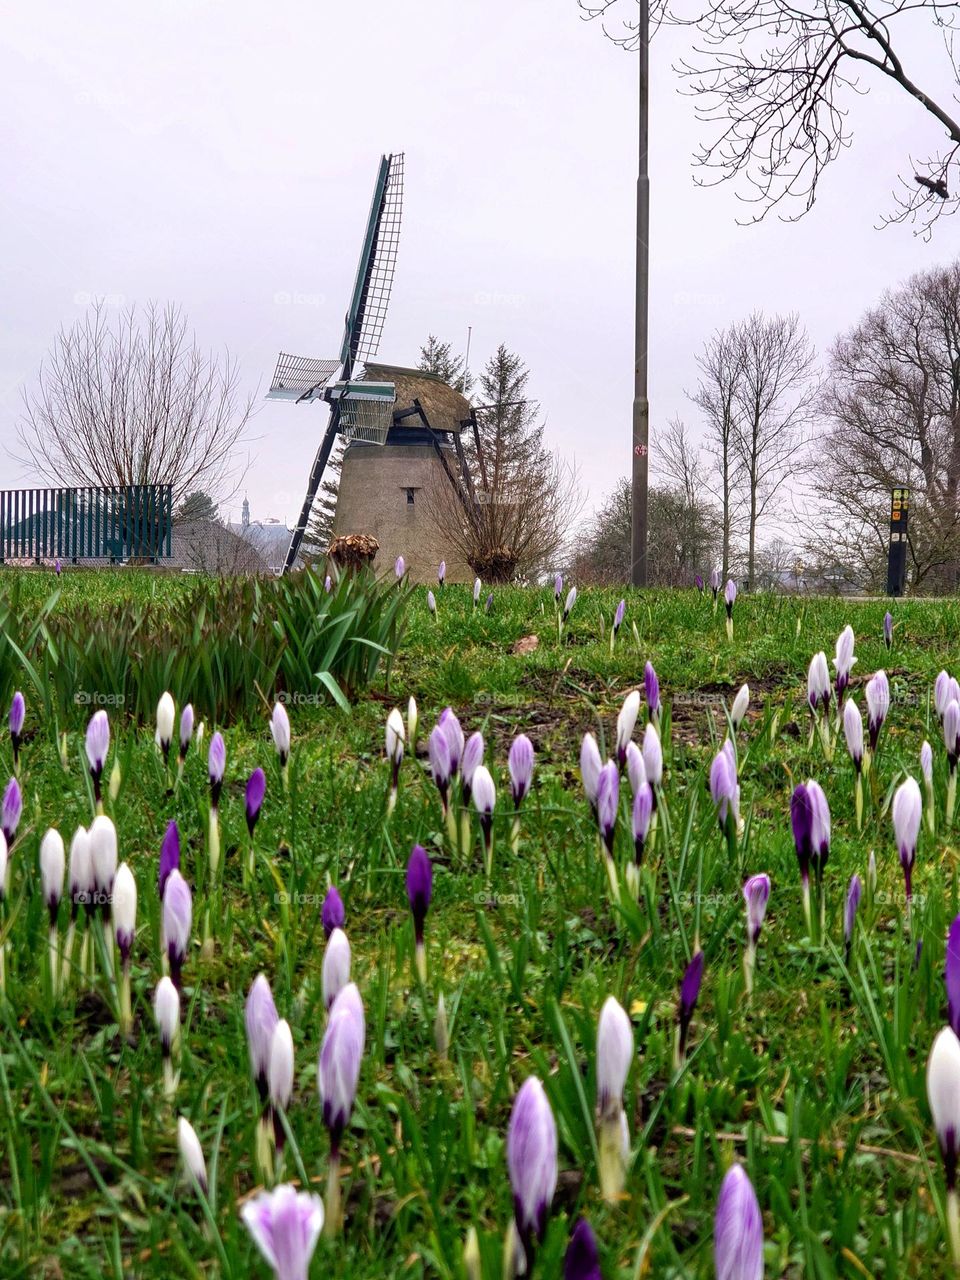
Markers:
438,358
319,531
197,506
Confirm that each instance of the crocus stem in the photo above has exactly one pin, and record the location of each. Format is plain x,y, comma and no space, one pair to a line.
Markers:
452,833
213,841
126,1004
858,799
611,1164
420,955
465,829
806,905
729,628
169,1076
54,954
613,878
930,809
749,963
264,1150
953,1225
331,1221
488,851
951,796
391,800
67,960
515,834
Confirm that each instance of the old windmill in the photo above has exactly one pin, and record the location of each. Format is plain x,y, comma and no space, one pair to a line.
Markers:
402,426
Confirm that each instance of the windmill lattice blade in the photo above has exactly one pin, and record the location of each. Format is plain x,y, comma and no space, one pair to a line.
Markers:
297,376
376,295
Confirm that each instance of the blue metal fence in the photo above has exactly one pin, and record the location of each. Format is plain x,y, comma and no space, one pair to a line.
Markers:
127,522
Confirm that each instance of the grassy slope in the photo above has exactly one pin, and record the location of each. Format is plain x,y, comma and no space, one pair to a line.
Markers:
818,1086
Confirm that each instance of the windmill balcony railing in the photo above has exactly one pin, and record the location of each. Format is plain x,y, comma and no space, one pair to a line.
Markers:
106,523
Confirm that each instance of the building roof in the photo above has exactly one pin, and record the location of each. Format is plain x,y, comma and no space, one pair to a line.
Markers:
446,409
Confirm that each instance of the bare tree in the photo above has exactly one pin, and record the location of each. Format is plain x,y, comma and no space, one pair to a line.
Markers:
136,402
775,81
893,398
774,399
716,398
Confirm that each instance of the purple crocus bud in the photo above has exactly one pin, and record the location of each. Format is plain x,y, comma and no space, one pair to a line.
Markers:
191,1153
801,819
617,624
590,765
636,769
477,588
582,1261
723,787
844,661
484,800
341,1055
878,704
98,744
738,1229
18,711
740,705
651,687
926,763
907,810
642,814
653,758
79,872
888,629
818,683
520,766
730,595
819,827
472,759
335,973
419,888
285,1225
951,732
450,725
854,893
756,894
689,995
103,859
614,1056
260,1019
186,730
12,809
177,922
488,605
532,1162
399,567
256,790
557,586
280,732
853,732
941,687
57,567
438,750
216,764
442,572
943,1094
328,584
568,604
432,603
124,910
608,799
332,914
698,582
715,582
626,723
169,856
53,861
952,973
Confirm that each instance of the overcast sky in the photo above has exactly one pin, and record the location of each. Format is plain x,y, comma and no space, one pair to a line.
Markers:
221,156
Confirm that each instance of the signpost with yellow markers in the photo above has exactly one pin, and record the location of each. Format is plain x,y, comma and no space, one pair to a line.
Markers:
897,552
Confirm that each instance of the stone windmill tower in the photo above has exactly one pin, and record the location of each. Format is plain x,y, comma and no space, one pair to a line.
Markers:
402,426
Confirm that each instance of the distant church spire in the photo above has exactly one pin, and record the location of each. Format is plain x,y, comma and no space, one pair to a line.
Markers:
245,513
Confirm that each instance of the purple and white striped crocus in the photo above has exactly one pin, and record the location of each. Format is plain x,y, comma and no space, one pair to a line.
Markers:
698,582
185,736
878,704
738,1229
941,693
641,818
419,891
394,736
636,769
618,617
280,732
851,906
591,762
739,707
626,723
715,580
124,929
473,750
608,800
568,604
335,971
450,725
951,740
53,861
520,767
801,820
651,688
653,759
951,973
97,745
432,605
103,858
177,919
724,792
438,752
581,1260
216,767
532,1164
280,1076
907,812
11,811
477,588
285,1225
484,801
888,629
557,587
943,1095
853,733
18,713
614,1056
81,887
844,661
926,770
338,1073
819,690
260,1020
332,914
399,568
166,1012
729,599
689,995
256,790
756,895
441,573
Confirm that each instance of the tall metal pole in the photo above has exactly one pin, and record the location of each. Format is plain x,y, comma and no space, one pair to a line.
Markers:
641,406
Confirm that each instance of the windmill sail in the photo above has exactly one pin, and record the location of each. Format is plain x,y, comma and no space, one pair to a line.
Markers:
378,260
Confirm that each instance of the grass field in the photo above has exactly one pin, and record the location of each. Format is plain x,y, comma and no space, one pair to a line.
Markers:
816,1084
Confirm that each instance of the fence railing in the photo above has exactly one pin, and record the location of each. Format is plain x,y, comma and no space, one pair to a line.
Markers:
125,522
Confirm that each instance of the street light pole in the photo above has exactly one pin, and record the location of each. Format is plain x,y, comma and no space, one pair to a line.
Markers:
641,405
